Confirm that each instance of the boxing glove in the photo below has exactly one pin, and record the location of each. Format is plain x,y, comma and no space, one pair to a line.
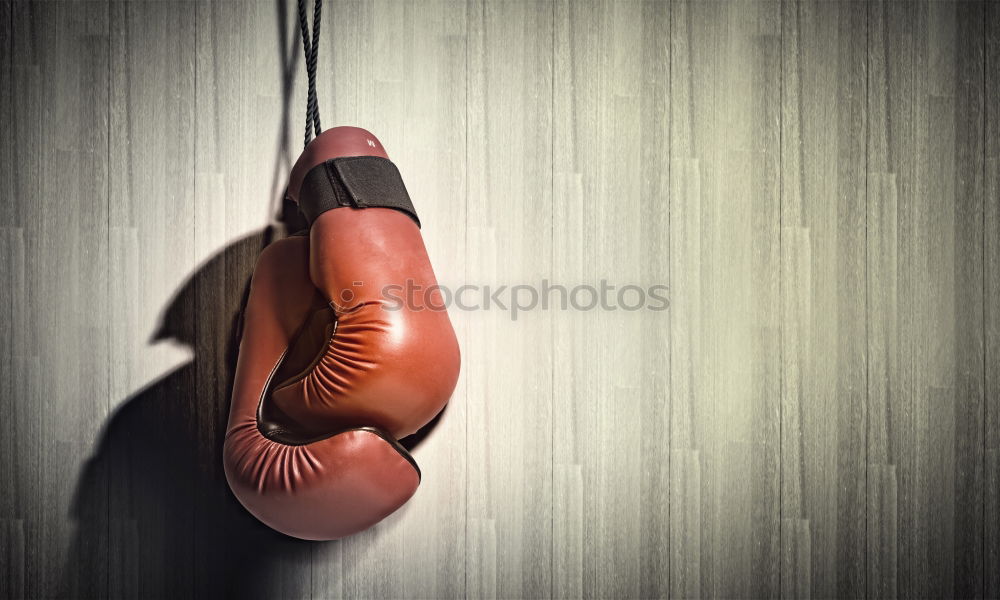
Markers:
335,362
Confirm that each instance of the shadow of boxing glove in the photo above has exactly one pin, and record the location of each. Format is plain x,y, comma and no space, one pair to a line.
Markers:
337,362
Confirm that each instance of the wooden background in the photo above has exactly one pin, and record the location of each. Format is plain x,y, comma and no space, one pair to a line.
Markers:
818,413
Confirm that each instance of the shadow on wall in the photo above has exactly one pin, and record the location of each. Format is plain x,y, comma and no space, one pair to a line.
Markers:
154,515
153,512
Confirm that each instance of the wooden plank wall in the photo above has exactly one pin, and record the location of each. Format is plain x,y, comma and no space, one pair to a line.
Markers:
823,227
818,183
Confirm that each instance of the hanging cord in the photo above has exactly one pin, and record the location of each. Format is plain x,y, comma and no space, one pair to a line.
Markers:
310,47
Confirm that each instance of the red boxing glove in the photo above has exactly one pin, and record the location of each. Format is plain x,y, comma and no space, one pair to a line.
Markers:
336,363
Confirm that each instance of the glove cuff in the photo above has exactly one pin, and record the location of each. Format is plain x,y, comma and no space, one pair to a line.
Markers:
356,182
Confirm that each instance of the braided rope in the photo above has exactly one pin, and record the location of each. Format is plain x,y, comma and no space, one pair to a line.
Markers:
310,48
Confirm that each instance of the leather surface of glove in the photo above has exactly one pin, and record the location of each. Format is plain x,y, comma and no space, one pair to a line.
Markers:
332,371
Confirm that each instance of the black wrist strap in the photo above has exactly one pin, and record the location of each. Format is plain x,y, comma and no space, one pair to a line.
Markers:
354,181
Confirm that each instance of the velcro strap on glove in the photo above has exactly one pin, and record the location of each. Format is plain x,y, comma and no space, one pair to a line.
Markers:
354,181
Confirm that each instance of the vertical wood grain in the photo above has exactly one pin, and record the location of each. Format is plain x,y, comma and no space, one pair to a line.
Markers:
7,155
653,256
686,378
966,113
725,142
12,551
823,299
991,280
925,259
54,236
509,363
609,218
152,216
